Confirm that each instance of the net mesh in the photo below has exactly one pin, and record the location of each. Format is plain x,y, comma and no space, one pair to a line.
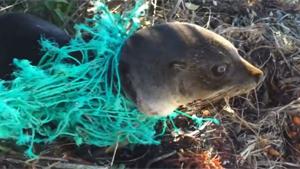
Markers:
82,101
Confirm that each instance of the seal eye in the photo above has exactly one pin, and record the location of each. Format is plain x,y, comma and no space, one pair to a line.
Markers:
219,70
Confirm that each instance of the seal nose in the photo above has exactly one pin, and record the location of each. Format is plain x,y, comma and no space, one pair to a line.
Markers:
253,71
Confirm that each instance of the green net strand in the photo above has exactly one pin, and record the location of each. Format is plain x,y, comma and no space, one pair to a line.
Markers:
80,99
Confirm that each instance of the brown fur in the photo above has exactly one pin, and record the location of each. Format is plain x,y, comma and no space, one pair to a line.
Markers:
161,67
172,64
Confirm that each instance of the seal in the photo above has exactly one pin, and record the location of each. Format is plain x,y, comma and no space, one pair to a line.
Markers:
19,36
172,64
161,67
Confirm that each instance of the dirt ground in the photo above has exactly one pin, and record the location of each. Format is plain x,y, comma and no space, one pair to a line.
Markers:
257,130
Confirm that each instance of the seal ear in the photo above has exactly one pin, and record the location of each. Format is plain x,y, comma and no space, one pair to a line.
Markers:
178,65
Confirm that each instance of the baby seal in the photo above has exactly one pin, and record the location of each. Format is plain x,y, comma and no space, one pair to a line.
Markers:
161,67
172,64
19,36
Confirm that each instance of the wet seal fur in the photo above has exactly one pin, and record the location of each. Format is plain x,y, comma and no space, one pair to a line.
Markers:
172,64
161,67
19,36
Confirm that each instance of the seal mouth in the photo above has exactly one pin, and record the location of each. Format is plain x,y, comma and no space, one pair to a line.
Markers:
229,93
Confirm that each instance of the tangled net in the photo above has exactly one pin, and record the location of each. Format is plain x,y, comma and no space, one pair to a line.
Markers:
82,101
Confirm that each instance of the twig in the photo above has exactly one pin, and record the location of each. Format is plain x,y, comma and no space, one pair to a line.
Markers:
160,158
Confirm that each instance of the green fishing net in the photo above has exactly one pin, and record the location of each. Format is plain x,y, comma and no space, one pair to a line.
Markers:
81,101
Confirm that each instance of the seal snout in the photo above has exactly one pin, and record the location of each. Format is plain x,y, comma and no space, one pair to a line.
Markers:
253,71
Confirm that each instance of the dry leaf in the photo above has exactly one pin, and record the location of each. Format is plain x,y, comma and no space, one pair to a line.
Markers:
191,6
296,120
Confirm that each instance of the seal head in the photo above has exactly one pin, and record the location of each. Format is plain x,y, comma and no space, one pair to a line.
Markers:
172,64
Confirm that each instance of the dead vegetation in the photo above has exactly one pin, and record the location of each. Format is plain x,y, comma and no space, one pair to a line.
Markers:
258,130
